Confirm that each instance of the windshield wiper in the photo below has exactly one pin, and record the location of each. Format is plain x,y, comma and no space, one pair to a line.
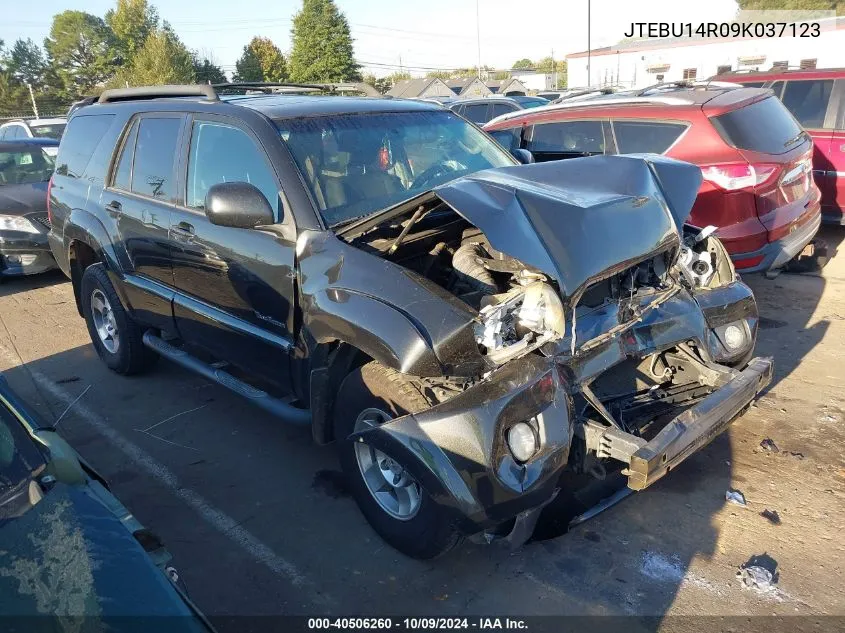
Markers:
795,139
348,221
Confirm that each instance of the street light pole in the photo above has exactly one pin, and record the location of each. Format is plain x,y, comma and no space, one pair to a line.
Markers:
478,35
589,77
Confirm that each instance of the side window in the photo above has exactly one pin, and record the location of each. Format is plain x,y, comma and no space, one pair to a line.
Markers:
459,110
222,153
155,151
777,87
567,137
807,100
3,132
81,138
509,139
501,108
643,137
477,113
123,173
15,132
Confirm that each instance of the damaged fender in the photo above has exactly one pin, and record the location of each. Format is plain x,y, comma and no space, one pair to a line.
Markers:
457,449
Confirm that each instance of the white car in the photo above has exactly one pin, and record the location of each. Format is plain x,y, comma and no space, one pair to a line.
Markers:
34,128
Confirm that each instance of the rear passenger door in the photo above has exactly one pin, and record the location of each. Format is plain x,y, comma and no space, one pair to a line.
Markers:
567,139
235,286
811,102
142,192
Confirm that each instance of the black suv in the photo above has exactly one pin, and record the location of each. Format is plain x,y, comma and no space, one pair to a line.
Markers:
468,329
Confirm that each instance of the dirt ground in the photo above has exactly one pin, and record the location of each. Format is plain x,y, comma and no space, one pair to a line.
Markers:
259,522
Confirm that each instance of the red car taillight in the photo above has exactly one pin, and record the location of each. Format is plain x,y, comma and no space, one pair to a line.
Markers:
49,208
736,176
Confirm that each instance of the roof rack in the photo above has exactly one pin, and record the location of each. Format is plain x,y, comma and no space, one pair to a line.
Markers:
264,85
586,91
155,92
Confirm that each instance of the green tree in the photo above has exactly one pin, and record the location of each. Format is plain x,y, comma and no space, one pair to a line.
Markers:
261,61
322,44
206,71
79,50
163,59
26,63
522,64
131,22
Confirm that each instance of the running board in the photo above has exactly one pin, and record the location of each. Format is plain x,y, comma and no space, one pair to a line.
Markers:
277,407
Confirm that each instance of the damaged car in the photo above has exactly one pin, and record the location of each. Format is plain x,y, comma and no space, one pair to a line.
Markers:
467,329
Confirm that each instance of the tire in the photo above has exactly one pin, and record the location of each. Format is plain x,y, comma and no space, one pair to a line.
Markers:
427,533
126,354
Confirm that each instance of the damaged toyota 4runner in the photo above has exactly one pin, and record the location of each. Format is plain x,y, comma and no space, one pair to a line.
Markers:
468,330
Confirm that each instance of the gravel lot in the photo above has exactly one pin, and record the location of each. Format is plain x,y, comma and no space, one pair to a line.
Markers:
259,523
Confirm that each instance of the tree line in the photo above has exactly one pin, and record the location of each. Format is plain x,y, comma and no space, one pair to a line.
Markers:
132,46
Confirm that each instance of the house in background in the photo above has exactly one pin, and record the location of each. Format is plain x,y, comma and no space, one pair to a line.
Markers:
468,87
420,89
506,87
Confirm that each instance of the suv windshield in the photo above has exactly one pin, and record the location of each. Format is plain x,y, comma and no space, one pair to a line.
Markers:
25,166
357,164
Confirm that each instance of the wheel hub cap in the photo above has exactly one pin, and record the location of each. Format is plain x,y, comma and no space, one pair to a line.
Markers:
104,321
393,488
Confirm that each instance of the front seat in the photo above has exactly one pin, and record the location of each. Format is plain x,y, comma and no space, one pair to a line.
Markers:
365,177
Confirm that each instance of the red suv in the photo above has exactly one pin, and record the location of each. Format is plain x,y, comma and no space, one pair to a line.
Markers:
754,156
817,99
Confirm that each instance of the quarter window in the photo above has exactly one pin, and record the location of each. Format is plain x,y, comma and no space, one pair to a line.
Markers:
222,153
83,134
155,150
807,100
567,137
643,137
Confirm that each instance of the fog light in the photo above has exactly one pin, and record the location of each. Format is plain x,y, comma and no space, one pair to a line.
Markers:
15,260
522,441
734,337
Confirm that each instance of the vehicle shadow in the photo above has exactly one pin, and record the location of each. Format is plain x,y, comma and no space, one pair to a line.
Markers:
14,285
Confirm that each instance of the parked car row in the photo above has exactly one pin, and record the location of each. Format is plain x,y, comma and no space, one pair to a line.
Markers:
22,129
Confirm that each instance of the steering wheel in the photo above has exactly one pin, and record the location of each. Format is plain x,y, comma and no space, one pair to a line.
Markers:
432,173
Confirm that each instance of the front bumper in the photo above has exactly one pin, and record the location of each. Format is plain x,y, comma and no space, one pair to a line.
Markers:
698,426
24,254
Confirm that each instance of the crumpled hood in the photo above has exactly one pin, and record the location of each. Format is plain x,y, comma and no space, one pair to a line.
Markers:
21,199
577,219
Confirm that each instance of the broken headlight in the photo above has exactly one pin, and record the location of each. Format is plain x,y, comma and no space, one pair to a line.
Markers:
520,321
703,259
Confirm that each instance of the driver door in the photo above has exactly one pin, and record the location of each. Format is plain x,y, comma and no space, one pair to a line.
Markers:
235,286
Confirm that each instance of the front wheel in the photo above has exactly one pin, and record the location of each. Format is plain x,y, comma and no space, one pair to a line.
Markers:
391,499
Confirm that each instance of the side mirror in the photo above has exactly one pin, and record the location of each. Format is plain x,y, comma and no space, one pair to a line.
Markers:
239,205
523,156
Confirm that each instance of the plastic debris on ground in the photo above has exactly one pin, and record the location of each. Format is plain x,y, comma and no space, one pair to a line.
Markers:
757,578
769,445
772,516
735,497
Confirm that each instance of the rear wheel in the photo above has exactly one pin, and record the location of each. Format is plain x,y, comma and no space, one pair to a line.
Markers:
116,337
391,499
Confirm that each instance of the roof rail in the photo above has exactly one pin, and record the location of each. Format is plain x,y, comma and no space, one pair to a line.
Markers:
155,92
264,85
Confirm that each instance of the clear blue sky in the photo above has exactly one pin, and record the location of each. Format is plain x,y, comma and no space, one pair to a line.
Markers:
424,34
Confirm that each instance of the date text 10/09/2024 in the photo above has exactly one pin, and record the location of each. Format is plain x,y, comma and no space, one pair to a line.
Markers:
418,624
724,29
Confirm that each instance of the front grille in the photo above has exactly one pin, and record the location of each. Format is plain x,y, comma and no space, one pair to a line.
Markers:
43,219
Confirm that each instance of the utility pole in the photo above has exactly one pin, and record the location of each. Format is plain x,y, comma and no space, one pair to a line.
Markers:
554,72
478,35
589,78
32,98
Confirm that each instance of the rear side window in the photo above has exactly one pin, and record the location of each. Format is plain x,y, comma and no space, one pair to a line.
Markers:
81,138
567,137
764,126
643,137
501,108
807,100
155,151
477,113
